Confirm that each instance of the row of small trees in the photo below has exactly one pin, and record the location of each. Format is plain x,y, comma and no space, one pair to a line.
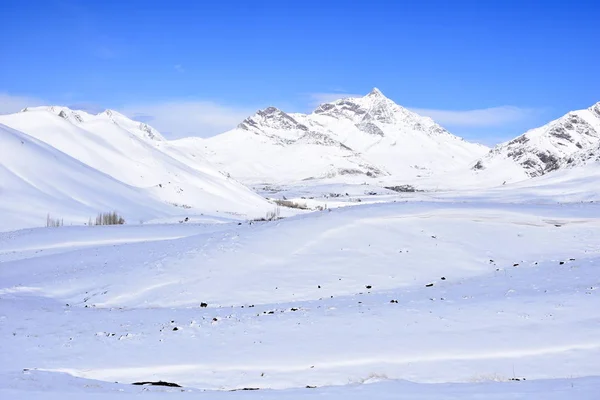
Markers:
107,218
53,222
110,218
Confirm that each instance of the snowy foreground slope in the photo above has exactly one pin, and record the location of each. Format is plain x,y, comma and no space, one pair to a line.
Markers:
348,140
107,162
444,300
36,179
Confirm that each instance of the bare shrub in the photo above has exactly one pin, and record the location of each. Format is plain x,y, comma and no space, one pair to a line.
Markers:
53,222
290,204
271,215
109,218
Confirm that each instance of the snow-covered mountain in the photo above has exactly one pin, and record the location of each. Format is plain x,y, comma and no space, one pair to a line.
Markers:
572,140
352,138
37,179
79,117
132,154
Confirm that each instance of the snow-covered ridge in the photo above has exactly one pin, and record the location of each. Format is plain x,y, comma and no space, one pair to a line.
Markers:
273,118
570,140
370,136
78,117
36,179
168,179
375,108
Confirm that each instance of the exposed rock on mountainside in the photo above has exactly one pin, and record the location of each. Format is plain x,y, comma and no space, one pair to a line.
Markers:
370,136
571,140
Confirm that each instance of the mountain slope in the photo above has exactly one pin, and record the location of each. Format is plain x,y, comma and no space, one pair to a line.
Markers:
571,140
401,141
78,117
349,139
36,179
132,154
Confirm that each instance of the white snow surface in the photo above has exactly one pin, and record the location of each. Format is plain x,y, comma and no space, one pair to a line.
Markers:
36,179
74,165
478,284
407,300
348,140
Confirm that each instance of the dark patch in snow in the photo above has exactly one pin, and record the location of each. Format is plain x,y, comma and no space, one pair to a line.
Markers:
158,383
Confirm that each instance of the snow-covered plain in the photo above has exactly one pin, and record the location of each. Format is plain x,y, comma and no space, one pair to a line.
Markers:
419,277
453,299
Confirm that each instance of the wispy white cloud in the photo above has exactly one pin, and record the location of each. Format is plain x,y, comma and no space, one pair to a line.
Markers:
486,117
89,107
204,118
11,103
177,119
179,68
316,99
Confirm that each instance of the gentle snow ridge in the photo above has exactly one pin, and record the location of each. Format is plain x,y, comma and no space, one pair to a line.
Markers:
167,180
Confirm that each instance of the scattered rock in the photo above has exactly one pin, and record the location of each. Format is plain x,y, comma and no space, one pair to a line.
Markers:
368,286
176,329
429,285
443,278
515,265
203,305
561,263
403,188
310,387
394,301
159,383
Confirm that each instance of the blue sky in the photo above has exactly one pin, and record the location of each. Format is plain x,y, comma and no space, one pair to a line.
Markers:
486,70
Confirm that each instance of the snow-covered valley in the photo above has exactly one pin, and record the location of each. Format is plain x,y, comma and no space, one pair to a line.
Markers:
472,275
450,296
